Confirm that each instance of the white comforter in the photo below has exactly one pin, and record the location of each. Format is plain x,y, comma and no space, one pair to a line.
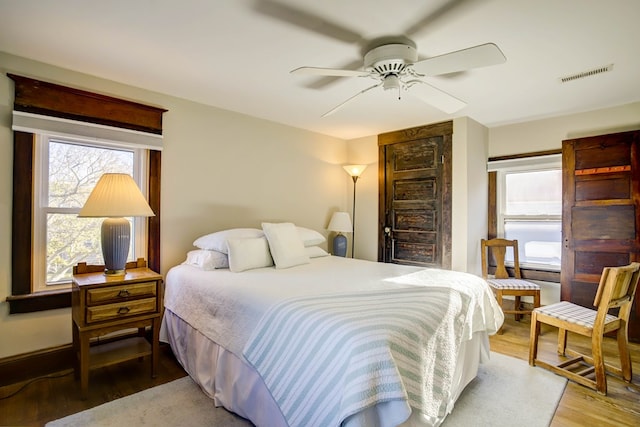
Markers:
227,307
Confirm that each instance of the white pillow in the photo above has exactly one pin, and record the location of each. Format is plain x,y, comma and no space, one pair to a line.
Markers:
310,237
315,252
248,253
285,244
207,260
218,241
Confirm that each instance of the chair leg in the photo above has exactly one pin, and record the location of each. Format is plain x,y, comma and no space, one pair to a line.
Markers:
533,339
562,341
516,306
499,299
625,355
598,364
536,299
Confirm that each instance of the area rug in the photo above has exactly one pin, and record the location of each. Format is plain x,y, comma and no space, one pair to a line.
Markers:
506,392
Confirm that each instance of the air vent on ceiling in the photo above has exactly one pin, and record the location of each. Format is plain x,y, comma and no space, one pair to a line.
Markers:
588,73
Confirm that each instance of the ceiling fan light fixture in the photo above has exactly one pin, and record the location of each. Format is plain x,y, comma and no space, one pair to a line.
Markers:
391,81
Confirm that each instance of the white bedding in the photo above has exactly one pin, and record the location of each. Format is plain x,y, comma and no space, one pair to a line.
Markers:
226,307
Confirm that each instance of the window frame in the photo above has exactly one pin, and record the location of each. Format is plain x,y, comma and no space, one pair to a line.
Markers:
43,98
494,213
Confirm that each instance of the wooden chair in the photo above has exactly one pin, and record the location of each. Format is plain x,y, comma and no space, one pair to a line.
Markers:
501,283
616,290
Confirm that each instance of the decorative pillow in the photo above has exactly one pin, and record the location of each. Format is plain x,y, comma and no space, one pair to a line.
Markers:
285,244
218,241
249,253
315,252
207,260
310,237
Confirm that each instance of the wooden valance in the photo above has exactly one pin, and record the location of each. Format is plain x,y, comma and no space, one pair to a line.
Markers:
49,99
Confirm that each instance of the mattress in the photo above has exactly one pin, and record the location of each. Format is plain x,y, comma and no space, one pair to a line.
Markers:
211,315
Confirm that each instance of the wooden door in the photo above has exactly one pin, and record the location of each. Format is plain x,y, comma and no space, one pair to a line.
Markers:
415,196
600,214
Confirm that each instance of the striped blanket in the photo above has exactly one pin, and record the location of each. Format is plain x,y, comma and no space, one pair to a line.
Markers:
327,357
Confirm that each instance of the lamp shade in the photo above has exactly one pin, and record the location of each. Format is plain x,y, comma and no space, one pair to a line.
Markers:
116,195
355,170
340,222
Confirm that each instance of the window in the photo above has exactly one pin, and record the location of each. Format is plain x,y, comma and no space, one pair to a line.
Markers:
66,171
529,209
43,107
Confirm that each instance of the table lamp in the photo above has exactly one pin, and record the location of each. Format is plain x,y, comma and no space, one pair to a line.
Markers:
115,196
341,223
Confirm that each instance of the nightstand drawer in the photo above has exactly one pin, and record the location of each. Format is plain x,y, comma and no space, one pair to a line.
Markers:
118,293
120,310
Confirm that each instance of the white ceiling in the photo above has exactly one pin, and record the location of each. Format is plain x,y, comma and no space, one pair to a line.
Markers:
237,54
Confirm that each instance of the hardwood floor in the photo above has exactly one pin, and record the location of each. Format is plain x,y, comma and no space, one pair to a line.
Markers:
59,395
579,405
55,397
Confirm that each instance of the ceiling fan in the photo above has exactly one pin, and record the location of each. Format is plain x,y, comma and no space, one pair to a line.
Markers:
396,67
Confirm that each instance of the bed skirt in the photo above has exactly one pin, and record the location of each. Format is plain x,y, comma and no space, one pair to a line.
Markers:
235,385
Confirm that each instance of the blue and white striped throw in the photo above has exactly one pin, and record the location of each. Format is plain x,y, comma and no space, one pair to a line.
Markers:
325,358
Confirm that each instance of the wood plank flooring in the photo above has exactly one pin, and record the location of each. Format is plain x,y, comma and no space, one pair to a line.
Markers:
51,398
579,405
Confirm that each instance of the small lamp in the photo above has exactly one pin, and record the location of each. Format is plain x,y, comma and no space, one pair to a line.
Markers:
341,223
355,171
115,196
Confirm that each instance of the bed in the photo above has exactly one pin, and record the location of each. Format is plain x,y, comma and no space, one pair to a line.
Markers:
330,340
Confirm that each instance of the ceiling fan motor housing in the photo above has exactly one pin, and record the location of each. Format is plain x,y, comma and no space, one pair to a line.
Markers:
390,59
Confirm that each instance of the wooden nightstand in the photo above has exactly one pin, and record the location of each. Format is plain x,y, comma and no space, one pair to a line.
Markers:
104,304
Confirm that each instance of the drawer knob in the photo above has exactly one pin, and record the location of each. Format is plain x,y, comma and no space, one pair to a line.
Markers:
123,310
123,293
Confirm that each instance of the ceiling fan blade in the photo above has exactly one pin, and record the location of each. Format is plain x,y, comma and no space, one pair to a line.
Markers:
339,106
433,96
317,71
321,82
447,12
461,60
306,20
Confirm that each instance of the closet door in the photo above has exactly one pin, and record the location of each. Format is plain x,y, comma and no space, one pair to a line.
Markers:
600,216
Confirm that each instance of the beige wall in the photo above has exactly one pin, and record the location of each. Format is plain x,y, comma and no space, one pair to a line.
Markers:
469,193
219,169
365,151
548,134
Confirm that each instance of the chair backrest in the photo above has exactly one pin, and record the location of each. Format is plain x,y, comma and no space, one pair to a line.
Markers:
498,249
617,288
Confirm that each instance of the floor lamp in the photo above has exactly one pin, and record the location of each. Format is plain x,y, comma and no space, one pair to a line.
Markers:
355,171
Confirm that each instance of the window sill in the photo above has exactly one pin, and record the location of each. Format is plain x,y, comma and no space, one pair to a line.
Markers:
533,274
41,301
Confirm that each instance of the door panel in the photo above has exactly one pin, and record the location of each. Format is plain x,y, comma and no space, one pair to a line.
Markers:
415,189
600,217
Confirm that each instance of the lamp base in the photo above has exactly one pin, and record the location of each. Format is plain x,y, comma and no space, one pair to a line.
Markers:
340,245
115,238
